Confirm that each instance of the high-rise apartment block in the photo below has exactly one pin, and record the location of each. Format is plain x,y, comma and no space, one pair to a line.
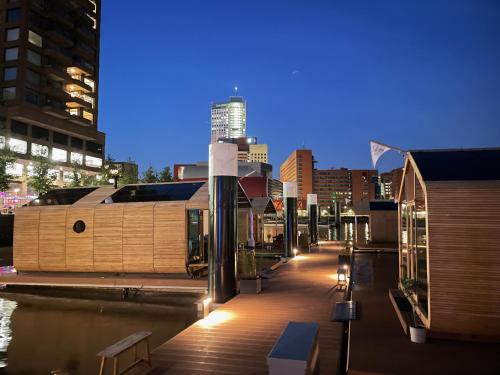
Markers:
229,119
332,185
390,183
299,168
49,87
352,187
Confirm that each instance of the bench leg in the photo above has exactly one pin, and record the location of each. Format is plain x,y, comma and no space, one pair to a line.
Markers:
148,356
115,366
101,369
135,353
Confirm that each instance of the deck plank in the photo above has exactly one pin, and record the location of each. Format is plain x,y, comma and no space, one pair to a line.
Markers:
301,291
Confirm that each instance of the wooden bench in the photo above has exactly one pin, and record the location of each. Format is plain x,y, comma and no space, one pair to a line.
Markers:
113,351
296,351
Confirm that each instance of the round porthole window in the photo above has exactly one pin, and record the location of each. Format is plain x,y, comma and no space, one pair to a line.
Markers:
79,226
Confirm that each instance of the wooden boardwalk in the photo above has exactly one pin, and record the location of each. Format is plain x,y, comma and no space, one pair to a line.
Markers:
196,286
236,338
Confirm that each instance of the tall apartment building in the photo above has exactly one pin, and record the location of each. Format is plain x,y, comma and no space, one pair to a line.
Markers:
298,167
49,86
364,185
229,119
390,182
332,185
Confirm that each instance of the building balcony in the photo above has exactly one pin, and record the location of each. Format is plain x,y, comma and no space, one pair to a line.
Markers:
60,37
86,34
57,73
88,5
84,51
55,108
79,100
59,55
56,91
80,116
62,18
75,84
84,17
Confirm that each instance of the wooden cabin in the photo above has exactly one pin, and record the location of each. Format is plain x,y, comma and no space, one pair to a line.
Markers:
449,236
144,228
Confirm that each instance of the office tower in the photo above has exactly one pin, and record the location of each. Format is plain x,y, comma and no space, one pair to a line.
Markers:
390,183
299,168
229,119
50,81
258,153
332,185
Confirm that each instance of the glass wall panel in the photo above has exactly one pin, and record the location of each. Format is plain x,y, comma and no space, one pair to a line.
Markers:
420,236
404,235
195,236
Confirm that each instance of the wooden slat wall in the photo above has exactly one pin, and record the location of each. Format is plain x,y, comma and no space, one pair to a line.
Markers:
52,238
138,237
464,256
80,246
170,242
108,230
25,245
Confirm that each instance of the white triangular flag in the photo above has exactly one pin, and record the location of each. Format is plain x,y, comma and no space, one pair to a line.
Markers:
378,149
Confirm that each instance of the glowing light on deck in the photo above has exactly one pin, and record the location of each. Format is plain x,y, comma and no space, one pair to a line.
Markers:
300,257
215,318
295,252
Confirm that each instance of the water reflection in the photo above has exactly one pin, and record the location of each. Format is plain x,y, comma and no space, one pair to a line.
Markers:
7,307
43,335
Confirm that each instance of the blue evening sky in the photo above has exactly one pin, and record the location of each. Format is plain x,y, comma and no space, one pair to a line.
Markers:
329,75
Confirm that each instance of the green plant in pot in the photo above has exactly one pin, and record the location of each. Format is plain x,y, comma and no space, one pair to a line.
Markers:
410,288
250,282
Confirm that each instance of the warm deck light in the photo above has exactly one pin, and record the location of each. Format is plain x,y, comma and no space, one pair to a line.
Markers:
206,301
295,252
341,276
215,318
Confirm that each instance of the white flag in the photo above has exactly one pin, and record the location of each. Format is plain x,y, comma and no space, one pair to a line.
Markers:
379,149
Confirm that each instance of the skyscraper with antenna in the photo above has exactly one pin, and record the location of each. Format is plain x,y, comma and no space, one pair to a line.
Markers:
229,119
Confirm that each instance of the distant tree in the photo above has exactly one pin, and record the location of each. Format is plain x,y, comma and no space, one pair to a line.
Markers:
129,173
76,178
150,175
90,179
42,179
107,169
7,159
165,175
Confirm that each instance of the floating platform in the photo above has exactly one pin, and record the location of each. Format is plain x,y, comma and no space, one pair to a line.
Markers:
159,284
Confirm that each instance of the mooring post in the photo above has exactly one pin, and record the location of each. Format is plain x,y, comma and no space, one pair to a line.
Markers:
223,207
290,203
312,211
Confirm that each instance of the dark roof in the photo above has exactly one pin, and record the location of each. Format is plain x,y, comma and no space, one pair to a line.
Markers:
383,206
155,192
459,165
61,196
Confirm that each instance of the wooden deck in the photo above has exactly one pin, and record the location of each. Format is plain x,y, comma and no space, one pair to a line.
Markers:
236,338
196,286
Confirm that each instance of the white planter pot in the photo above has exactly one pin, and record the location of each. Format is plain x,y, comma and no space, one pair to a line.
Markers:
418,335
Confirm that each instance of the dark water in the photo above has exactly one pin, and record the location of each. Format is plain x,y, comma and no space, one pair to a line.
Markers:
47,335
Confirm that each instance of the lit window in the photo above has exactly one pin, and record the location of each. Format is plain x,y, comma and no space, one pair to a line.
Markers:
34,57
12,34
34,38
39,150
15,169
88,116
18,145
77,158
91,161
11,54
59,155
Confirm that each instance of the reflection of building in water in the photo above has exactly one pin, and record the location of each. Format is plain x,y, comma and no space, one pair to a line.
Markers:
7,307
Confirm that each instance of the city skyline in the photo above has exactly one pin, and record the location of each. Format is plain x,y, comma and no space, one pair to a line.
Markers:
414,76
